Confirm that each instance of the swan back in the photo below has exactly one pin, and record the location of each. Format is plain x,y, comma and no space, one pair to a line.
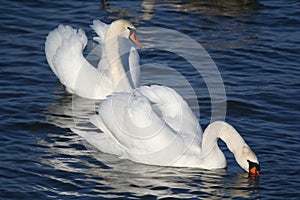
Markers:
174,109
154,125
136,122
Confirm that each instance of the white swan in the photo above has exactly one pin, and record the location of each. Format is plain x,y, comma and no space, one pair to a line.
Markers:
154,125
118,69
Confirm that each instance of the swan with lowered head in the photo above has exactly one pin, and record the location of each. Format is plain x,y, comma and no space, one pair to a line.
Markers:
118,69
154,125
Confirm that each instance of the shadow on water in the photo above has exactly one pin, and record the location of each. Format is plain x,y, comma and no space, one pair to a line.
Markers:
223,24
220,7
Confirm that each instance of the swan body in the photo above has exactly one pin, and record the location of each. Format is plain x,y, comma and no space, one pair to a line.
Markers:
117,71
154,125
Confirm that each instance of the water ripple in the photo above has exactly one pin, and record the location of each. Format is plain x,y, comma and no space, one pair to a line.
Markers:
255,45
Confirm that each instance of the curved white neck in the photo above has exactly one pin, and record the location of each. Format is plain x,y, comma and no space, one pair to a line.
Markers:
228,134
116,67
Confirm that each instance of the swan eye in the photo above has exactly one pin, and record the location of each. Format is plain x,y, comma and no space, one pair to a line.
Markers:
129,28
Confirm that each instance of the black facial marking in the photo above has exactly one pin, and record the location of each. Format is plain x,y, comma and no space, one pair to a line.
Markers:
253,164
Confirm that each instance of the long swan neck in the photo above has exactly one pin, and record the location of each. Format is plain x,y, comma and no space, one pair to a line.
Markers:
225,132
116,67
234,141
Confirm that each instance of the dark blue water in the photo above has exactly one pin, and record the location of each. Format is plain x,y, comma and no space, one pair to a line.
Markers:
255,45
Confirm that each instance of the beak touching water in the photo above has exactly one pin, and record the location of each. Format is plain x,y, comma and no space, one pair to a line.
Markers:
254,169
253,172
132,37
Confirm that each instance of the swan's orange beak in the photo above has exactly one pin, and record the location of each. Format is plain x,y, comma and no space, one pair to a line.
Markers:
132,37
254,171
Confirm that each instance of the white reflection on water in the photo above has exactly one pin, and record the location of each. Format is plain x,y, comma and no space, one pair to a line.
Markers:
166,182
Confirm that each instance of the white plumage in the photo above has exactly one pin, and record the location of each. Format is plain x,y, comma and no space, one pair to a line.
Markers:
149,124
154,125
64,52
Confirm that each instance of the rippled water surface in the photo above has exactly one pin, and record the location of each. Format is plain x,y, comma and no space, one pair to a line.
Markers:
255,45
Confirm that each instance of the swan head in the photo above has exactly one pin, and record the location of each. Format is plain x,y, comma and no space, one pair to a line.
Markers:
123,28
248,161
